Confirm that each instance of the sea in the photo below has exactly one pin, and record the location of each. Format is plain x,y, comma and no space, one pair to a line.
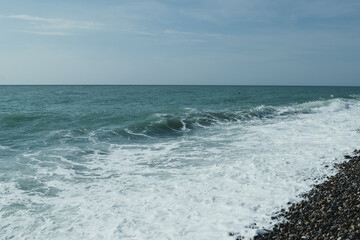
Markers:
165,162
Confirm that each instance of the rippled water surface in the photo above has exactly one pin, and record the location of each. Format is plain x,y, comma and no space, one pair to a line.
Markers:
164,162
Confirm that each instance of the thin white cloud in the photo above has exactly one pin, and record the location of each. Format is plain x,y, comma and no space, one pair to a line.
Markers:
145,33
47,33
174,32
183,33
28,18
193,37
53,26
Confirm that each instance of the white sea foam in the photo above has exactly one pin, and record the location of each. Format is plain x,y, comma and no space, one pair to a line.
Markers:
200,186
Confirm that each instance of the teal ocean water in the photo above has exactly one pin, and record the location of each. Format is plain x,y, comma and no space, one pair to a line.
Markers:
164,162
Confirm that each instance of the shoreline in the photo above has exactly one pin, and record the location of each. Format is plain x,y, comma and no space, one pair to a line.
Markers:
331,210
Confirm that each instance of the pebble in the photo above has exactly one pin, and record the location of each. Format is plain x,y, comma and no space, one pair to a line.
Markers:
331,210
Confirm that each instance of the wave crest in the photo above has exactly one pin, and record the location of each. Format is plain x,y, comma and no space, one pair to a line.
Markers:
164,124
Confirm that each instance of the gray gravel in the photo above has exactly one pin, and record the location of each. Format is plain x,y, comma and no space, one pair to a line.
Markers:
331,210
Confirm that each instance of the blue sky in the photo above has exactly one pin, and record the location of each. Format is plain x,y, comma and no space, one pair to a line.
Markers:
252,42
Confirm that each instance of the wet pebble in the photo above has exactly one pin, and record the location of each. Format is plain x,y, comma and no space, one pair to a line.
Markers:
331,210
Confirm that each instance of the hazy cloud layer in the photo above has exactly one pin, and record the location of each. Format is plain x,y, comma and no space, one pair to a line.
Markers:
313,42
52,26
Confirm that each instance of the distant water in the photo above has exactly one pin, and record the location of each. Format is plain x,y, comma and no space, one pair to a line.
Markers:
164,162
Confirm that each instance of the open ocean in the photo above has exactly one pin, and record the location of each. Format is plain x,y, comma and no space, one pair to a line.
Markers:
164,162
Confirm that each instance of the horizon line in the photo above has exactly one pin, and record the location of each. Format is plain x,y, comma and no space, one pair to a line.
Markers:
238,85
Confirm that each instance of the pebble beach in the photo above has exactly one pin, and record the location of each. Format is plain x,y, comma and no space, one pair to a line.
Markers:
331,210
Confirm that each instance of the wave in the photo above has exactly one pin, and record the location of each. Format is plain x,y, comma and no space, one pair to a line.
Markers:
108,127
164,124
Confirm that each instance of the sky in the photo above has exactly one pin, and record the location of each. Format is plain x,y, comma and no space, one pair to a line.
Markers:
234,42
